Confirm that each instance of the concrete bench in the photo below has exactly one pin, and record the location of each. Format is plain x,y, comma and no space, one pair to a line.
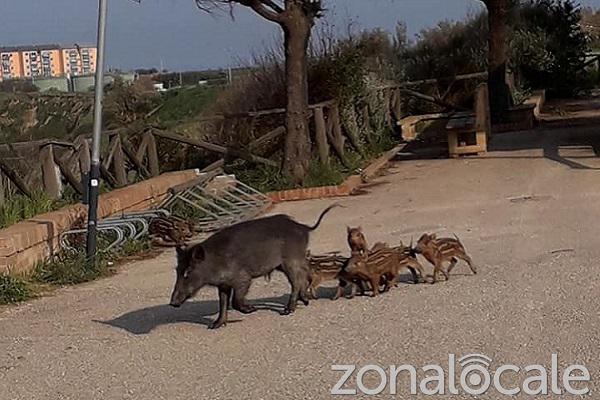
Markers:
517,118
537,99
409,124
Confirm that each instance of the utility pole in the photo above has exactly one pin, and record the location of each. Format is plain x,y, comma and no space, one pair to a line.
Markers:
94,180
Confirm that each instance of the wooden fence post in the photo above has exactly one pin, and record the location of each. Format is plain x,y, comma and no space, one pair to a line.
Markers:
108,178
68,174
112,147
119,162
387,101
15,178
397,105
137,163
334,134
152,155
3,189
84,156
50,172
83,150
143,146
321,135
366,117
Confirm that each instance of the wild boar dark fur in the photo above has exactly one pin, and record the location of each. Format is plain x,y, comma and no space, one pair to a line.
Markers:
232,257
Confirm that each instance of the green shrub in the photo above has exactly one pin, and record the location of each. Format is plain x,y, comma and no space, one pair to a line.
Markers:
448,49
134,247
263,178
549,46
14,290
71,269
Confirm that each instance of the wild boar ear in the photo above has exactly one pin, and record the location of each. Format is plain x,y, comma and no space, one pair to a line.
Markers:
348,229
198,253
359,229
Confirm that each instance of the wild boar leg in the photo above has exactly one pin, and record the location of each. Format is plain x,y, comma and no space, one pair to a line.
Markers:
446,274
315,282
468,260
438,267
223,304
296,275
304,290
240,289
353,287
416,266
453,262
339,291
413,272
375,279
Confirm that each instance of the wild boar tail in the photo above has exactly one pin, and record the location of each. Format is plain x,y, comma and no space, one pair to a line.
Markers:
315,226
457,239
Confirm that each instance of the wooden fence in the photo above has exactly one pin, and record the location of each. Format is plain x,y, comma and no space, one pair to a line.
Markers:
130,156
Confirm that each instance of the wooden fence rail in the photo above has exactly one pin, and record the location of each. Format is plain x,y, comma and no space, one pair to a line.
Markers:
122,162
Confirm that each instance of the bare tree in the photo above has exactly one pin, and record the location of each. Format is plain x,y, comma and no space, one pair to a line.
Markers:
498,11
296,19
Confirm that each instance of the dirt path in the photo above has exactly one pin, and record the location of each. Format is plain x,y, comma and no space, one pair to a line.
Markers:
117,338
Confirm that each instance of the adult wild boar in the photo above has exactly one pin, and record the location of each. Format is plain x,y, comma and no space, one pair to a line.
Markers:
232,257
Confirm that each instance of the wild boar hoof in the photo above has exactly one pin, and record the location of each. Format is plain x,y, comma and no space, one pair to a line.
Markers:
246,309
217,324
287,311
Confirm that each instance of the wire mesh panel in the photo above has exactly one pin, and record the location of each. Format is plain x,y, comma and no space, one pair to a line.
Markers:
210,202
216,203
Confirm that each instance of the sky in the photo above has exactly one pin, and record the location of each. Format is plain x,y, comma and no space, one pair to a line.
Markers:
176,35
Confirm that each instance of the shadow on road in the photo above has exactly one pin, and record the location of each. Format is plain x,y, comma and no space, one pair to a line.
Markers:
576,147
143,321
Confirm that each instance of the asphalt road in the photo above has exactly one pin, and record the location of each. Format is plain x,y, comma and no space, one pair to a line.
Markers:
530,223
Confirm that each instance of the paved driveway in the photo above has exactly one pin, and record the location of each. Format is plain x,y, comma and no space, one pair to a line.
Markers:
530,223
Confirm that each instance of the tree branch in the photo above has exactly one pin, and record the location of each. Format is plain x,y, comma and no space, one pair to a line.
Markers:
273,5
210,5
267,9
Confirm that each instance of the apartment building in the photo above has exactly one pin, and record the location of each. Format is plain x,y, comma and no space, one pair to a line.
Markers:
46,61
79,60
11,65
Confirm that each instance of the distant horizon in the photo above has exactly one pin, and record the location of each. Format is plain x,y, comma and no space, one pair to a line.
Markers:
175,35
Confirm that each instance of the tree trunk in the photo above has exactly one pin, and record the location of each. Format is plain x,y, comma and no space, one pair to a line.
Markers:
296,27
499,93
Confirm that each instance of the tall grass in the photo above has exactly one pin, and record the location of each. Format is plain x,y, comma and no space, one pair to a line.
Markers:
186,103
18,207
70,269
14,290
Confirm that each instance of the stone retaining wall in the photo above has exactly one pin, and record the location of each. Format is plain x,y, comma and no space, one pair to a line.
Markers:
24,244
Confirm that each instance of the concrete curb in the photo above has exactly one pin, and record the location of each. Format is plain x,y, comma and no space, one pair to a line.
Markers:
347,188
